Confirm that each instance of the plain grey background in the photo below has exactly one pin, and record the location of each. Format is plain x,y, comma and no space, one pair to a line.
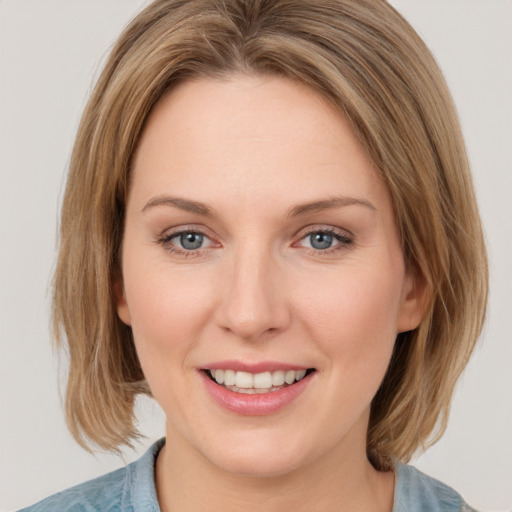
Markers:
50,53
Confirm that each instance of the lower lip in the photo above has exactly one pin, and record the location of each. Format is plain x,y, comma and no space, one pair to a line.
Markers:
258,404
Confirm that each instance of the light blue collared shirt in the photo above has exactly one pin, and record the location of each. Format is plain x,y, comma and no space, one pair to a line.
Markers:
132,489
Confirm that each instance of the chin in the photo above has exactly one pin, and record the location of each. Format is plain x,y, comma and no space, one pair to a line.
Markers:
262,458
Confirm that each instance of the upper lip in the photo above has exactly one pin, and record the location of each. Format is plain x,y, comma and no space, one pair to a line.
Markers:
260,367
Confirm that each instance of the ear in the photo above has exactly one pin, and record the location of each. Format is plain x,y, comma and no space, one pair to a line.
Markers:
415,300
121,305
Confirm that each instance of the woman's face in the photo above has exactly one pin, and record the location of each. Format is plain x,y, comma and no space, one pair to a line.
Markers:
260,243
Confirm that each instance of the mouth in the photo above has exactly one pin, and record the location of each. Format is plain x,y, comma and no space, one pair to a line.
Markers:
256,383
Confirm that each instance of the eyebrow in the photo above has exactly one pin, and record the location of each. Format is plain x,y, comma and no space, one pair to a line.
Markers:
325,204
199,208
183,204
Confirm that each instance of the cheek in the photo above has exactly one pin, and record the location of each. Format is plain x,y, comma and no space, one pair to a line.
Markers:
354,318
354,325
168,310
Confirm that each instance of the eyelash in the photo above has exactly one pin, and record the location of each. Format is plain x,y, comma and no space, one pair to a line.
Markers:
344,241
343,238
165,241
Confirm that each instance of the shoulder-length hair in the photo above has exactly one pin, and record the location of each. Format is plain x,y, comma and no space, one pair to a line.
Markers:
367,61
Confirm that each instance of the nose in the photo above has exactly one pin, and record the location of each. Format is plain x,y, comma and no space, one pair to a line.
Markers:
254,305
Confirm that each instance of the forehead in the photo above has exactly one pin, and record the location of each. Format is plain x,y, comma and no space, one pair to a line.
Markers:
250,136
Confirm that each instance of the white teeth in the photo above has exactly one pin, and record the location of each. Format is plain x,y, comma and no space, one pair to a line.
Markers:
278,378
243,380
299,374
262,380
229,378
249,381
219,376
289,377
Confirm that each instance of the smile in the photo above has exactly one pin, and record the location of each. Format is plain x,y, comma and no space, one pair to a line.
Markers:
255,390
256,383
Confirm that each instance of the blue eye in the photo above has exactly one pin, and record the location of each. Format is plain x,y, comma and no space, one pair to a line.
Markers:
190,240
321,240
186,241
326,240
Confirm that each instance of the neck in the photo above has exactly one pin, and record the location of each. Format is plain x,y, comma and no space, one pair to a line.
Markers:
341,480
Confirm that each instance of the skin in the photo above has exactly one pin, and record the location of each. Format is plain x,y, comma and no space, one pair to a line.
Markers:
251,149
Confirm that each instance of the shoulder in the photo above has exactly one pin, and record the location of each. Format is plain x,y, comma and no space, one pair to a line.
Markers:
417,492
103,493
127,489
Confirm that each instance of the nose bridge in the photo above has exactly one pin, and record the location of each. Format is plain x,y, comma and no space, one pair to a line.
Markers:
253,299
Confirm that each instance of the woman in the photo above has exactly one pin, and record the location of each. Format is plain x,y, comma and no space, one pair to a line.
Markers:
269,226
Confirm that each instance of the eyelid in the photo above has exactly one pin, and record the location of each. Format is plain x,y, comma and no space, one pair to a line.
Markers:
185,228
179,234
168,234
322,228
344,238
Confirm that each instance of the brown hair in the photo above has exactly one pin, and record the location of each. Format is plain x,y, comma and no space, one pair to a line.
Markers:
366,60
